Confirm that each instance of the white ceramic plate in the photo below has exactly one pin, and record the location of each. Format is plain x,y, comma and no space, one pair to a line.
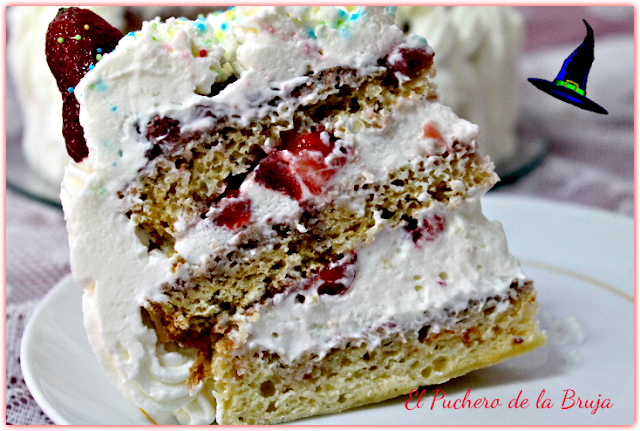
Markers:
582,264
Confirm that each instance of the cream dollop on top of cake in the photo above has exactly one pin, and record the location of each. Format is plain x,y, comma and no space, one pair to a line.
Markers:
168,69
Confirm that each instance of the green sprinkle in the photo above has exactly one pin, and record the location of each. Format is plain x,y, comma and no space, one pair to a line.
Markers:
78,37
154,39
154,26
120,153
99,57
60,39
207,42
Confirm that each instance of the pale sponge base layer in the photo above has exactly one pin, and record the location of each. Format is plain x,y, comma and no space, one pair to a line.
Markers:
258,388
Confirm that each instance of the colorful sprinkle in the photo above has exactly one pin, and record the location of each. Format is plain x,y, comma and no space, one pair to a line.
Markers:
114,108
71,90
60,39
86,26
312,34
203,53
154,26
91,67
98,86
200,26
131,33
201,15
78,37
224,26
99,57
99,50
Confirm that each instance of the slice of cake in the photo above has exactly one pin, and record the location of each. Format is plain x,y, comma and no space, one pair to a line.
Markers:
277,218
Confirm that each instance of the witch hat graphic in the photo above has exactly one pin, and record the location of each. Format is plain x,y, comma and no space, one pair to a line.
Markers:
570,85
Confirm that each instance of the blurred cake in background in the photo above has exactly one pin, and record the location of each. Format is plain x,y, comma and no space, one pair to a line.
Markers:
35,88
477,51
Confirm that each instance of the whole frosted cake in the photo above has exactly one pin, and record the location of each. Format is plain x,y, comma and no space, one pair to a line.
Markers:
477,52
277,218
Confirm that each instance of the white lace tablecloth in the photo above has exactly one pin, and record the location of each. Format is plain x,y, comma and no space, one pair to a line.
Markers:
590,163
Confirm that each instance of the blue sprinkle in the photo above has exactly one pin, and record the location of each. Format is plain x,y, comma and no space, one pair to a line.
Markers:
99,50
341,12
312,34
115,164
114,108
224,26
100,86
71,89
420,38
91,67
200,26
355,16
131,33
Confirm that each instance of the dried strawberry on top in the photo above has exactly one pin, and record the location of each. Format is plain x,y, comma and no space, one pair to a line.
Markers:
76,40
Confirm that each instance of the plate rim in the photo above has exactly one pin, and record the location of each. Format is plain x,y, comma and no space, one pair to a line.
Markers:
25,360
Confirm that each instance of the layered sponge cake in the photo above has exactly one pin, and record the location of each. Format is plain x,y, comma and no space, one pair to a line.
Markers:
277,218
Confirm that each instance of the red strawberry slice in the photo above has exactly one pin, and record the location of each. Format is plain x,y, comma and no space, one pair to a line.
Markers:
235,213
313,171
409,61
309,161
300,159
337,279
309,142
430,130
274,172
76,40
432,227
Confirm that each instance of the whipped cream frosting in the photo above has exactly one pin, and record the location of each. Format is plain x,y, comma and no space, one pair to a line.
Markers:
477,52
167,69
